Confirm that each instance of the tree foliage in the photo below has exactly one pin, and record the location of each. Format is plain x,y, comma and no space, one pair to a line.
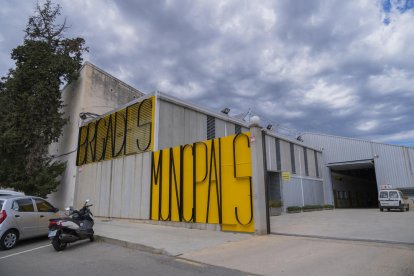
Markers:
31,116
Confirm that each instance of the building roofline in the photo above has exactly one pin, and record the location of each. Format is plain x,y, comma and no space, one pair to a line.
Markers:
354,139
194,107
293,141
88,63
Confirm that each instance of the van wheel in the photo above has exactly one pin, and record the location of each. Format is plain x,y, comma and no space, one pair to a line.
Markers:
9,239
402,209
381,209
408,208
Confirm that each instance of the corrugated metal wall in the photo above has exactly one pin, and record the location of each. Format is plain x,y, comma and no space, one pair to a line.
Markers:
285,158
394,165
338,149
313,193
313,186
117,188
179,125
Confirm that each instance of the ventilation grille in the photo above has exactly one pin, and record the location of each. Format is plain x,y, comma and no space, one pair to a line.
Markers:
211,128
237,129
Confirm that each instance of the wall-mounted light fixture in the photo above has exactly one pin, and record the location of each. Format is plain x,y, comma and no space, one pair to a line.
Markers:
87,115
226,110
299,138
269,127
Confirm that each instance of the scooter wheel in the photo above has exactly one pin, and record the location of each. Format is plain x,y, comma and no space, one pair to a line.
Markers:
58,245
92,238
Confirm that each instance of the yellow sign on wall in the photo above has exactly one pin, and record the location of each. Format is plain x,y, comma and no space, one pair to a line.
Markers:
286,176
205,182
126,131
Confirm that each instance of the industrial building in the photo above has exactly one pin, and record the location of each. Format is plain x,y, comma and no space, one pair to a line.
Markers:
119,139
354,170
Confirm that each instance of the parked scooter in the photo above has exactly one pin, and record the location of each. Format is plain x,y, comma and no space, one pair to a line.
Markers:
77,226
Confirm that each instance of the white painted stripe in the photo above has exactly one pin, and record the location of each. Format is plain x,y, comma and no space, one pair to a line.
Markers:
11,255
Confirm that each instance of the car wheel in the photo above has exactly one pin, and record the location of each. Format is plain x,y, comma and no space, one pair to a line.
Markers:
402,209
381,209
58,245
92,238
9,239
408,208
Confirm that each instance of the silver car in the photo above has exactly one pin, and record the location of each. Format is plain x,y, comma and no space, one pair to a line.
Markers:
23,217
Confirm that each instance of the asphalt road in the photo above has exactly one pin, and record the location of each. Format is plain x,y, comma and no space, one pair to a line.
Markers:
37,257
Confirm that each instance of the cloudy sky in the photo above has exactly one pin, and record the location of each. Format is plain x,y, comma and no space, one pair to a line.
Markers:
338,67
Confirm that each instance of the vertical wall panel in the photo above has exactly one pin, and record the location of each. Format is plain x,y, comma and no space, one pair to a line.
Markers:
128,194
220,128
271,153
145,185
285,156
300,161
116,187
311,163
292,193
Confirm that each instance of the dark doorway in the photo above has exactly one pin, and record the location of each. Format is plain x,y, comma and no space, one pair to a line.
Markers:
354,184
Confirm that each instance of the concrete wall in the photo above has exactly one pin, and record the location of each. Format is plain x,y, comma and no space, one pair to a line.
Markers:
94,91
118,188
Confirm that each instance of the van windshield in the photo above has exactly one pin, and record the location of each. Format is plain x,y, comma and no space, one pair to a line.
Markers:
383,194
393,195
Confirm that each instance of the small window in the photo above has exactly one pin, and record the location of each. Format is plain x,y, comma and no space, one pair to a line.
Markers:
23,205
43,206
383,194
292,158
278,157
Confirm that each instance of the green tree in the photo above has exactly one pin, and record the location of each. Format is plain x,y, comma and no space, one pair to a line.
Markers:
31,116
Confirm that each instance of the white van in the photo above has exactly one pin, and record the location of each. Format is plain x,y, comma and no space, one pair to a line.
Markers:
392,199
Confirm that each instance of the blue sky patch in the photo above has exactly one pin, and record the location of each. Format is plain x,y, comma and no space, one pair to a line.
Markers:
399,5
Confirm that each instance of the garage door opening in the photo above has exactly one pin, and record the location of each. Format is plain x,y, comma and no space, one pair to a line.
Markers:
354,184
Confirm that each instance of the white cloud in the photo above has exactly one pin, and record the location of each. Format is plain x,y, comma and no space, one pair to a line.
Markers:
332,96
367,125
392,81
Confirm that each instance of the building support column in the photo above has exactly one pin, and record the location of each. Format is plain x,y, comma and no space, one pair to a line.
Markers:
261,221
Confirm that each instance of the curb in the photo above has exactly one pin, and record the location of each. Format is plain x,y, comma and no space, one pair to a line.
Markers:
131,245
341,239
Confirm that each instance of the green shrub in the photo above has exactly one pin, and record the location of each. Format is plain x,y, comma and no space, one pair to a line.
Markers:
294,209
328,207
312,207
275,204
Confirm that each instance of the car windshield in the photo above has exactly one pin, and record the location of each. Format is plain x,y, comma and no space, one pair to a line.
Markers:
383,194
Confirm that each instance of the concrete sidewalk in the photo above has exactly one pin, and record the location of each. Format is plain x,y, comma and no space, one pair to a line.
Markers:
162,239
348,224
264,255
